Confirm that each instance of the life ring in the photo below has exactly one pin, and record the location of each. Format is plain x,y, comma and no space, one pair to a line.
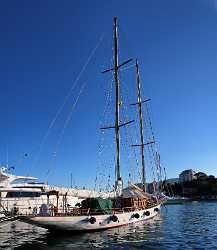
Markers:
147,213
136,215
114,218
92,220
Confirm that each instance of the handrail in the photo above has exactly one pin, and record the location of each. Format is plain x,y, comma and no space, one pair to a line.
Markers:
54,211
87,211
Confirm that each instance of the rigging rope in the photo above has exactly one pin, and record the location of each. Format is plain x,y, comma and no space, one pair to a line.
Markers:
154,146
151,149
65,101
65,126
129,141
129,135
102,146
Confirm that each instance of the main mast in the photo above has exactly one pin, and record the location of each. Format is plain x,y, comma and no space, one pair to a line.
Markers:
118,183
118,124
141,126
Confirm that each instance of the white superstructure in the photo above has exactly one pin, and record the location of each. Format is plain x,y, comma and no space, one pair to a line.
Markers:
24,194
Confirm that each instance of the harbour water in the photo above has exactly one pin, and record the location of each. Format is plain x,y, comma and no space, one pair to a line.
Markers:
188,226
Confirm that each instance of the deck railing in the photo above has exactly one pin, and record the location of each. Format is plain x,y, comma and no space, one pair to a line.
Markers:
87,211
67,211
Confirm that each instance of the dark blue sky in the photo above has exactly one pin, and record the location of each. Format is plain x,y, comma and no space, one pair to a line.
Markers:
45,44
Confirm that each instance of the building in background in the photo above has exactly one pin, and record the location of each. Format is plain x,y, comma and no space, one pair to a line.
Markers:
187,175
172,181
201,176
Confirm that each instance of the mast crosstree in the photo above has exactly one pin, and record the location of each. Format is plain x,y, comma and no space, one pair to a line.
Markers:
141,126
142,143
129,206
118,125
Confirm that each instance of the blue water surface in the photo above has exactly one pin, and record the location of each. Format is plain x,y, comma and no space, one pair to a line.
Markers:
188,226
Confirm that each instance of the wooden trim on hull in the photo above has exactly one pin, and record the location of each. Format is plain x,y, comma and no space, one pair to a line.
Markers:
82,224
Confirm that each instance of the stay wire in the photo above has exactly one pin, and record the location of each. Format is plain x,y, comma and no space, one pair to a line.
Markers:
128,131
68,118
104,120
53,121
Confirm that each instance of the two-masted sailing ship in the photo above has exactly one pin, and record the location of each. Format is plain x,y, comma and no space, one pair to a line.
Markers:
130,205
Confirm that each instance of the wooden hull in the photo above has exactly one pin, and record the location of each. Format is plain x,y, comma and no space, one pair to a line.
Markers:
82,223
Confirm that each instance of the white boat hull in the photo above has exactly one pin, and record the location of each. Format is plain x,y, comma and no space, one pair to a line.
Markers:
82,223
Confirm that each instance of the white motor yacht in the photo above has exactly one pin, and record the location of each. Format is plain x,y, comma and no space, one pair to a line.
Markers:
25,194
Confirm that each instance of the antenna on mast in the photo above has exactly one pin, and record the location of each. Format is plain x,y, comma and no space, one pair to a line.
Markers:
70,180
7,156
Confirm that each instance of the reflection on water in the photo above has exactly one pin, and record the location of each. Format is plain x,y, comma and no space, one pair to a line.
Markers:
190,226
13,234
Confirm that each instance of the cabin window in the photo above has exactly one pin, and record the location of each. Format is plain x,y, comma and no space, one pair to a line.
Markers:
22,194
